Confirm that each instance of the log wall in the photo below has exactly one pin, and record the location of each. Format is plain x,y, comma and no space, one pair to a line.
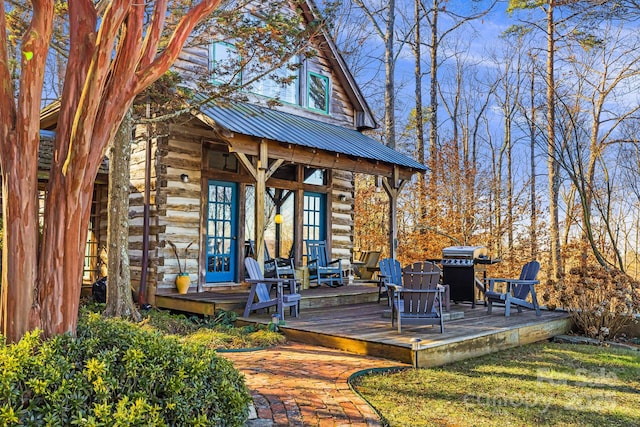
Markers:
174,207
195,60
342,214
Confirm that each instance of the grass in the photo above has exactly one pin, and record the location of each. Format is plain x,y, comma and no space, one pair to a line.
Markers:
544,384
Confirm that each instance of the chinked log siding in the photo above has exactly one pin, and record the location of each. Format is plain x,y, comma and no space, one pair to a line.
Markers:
176,206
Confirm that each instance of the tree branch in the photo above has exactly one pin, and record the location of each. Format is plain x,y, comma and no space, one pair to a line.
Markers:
148,74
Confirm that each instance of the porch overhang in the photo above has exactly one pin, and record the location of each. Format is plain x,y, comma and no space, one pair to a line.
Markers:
305,140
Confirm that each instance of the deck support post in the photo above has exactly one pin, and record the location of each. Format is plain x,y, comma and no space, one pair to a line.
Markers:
393,185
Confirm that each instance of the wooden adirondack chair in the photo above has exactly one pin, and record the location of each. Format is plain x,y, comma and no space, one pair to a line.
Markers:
260,297
446,297
517,290
390,273
419,298
364,268
321,268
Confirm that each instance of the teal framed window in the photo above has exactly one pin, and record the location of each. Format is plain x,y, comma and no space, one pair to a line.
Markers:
318,92
281,83
224,63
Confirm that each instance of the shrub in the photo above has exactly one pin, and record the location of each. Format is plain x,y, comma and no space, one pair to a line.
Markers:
600,301
114,373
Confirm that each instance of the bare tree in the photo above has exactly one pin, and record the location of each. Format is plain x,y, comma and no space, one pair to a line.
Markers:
382,16
604,71
437,34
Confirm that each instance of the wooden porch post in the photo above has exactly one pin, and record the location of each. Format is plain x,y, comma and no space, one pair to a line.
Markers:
393,185
261,188
261,172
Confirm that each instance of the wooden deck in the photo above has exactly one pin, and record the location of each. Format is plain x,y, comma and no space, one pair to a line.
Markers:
349,318
209,302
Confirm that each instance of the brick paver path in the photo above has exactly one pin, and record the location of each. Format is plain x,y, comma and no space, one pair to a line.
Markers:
302,385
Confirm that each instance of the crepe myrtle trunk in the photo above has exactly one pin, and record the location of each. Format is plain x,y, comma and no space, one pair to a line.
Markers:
19,140
62,255
111,60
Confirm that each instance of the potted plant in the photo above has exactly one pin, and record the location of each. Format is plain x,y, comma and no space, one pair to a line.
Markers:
182,279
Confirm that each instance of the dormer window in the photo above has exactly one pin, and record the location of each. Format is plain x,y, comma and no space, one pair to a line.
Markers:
318,93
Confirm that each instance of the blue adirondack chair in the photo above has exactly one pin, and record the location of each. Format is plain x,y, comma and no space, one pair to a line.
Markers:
390,273
517,290
260,297
321,268
419,297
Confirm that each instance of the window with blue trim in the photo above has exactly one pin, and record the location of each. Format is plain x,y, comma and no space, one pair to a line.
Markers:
224,63
313,218
281,83
318,92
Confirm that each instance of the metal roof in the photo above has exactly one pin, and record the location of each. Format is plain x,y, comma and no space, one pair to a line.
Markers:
262,122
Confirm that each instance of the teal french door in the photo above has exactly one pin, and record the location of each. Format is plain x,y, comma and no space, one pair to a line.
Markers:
314,217
221,231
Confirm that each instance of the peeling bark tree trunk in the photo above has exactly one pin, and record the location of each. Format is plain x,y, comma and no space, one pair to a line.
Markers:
119,299
19,142
113,56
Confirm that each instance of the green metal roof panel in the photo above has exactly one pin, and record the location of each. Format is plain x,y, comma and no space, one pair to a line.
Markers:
275,125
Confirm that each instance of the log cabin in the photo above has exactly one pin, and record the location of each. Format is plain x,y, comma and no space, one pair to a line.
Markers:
229,179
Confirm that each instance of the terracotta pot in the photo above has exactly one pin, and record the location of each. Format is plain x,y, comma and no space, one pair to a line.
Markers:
182,283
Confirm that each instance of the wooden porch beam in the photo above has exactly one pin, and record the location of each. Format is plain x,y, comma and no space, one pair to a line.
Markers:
393,188
317,158
261,188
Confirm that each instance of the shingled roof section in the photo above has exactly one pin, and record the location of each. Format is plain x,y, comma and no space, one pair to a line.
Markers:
45,154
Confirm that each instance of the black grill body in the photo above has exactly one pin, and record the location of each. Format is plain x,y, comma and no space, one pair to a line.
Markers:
461,265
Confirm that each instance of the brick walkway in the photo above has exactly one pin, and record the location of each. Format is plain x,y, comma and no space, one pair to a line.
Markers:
302,385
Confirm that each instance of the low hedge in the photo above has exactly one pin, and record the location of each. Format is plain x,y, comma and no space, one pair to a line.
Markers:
115,374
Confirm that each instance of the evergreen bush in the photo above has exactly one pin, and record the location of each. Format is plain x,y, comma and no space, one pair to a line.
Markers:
115,373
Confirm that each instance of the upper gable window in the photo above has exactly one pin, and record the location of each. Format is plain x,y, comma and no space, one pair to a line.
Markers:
224,63
318,92
281,83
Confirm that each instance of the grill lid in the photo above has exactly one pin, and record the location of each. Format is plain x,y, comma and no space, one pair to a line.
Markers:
469,252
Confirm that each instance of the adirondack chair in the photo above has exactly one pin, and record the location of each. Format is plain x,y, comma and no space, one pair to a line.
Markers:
428,266
321,268
517,290
364,268
273,267
419,298
390,273
260,297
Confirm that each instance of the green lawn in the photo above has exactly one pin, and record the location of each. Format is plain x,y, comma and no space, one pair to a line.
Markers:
543,384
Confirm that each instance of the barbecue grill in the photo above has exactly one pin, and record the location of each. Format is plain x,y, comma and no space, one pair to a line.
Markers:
460,267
